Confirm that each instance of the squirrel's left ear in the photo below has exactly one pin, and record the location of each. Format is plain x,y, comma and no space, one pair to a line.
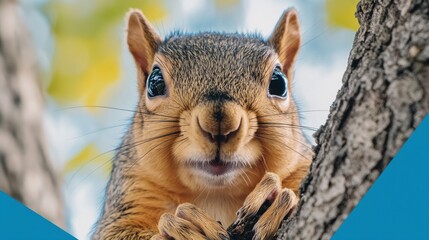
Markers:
143,42
286,39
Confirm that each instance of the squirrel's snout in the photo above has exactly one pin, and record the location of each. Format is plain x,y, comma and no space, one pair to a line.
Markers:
220,135
223,127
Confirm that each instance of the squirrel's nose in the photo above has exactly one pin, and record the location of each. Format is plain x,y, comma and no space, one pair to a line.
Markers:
222,133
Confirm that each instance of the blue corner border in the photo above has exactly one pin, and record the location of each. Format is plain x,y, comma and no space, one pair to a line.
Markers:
397,205
17,222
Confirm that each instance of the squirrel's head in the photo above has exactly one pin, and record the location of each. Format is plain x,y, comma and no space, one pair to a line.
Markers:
216,109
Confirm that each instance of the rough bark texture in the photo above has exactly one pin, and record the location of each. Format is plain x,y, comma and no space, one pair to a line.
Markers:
25,170
384,97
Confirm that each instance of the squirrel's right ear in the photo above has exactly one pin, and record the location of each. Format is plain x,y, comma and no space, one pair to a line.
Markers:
142,41
286,39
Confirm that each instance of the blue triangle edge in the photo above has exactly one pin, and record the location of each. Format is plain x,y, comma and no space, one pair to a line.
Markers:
18,222
397,205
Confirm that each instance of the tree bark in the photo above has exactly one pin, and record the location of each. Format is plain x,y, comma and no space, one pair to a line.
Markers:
25,170
385,95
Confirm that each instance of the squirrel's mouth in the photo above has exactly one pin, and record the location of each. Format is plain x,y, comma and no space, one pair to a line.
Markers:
216,167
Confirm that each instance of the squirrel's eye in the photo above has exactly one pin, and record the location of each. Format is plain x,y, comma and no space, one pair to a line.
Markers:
155,83
278,84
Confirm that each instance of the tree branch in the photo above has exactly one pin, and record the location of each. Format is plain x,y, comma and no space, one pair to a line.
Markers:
385,95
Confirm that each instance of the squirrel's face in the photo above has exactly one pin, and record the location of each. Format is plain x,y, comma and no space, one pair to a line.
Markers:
221,98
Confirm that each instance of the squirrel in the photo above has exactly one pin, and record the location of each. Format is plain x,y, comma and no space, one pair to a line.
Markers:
216,134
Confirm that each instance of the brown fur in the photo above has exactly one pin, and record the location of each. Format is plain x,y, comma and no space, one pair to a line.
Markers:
216,106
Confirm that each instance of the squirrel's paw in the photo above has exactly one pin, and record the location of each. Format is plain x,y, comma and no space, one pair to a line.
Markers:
264,209
189,222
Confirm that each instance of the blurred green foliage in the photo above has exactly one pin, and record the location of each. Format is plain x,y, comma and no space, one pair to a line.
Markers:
88,37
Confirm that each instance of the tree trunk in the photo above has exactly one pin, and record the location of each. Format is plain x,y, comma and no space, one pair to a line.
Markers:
384,97
25,170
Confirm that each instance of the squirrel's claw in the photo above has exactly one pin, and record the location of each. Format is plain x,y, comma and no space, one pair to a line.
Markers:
173,227
270,221
263,210
189,222
208,226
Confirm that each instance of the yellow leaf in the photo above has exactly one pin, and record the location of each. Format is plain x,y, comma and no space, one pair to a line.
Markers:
341,13
90,155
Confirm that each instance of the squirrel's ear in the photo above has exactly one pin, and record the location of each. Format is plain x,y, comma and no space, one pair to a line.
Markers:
142,41
286,39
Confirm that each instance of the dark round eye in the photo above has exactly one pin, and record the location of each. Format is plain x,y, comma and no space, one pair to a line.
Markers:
155,83
278,84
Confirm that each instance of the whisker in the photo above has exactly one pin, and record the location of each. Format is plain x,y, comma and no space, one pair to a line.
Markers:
242,175
305,144
284,144
161,115
323,31
90,173
294,128
159,121
132,165
99,130
118,109
163,128
274,124
180,142
142,157
93,106
124,147
288,113
264,161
